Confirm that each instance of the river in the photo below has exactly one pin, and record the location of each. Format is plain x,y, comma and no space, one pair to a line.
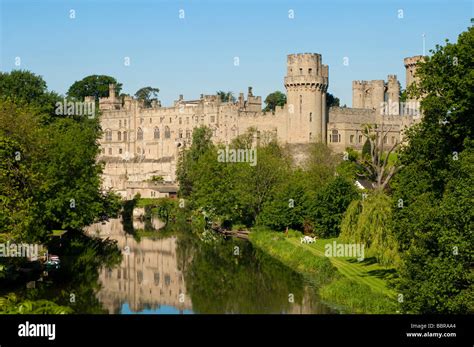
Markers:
178,273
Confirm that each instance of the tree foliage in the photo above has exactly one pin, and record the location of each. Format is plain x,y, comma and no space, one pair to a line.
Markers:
147,95
273,100
434,226
93,85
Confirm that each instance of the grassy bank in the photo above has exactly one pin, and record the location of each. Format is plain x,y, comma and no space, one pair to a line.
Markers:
350,286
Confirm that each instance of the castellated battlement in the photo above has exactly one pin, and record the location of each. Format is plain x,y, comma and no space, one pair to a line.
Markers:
304,58
306,64
392,78
411,61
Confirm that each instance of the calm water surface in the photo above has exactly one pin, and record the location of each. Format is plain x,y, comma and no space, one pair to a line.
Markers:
177,273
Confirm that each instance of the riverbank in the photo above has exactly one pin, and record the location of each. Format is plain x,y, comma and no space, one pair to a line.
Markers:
347,285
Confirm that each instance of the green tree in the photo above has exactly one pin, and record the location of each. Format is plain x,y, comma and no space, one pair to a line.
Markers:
435,186
188,159
225,96
325,211
94,85
273,100
320,166
147,95
286,208
24,87
369,222
331,100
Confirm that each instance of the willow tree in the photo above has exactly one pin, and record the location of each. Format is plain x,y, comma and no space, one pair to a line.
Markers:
369,222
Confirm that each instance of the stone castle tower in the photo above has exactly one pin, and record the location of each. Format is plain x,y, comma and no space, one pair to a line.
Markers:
410,66
306,83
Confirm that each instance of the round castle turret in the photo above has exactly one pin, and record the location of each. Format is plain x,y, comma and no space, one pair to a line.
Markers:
306,83
410,66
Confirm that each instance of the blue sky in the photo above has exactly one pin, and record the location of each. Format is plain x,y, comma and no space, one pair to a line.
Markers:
196,54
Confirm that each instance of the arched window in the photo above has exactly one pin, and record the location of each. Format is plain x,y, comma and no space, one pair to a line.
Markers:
125,136
311,116
156,134
335,137
139,134
167,132
108,135
119,136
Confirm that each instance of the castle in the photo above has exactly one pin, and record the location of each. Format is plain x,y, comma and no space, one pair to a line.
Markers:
141,142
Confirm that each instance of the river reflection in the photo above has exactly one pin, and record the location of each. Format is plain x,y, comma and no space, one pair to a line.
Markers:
176,273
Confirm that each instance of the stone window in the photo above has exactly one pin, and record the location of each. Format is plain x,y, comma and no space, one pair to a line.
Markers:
180,120
352,139
156,133
213,119
311,116
141,120
310,71
167,280
119,136
140,277
125,136
360,138
156,278
310,136
180,133
385,140
301,103
170,120
167,133
301,70
139,134
108,135
335,136
150,120
120,123
188,134
125,123
120,150
393,140
110,151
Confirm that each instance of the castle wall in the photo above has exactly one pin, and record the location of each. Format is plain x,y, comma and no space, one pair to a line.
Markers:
140,143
